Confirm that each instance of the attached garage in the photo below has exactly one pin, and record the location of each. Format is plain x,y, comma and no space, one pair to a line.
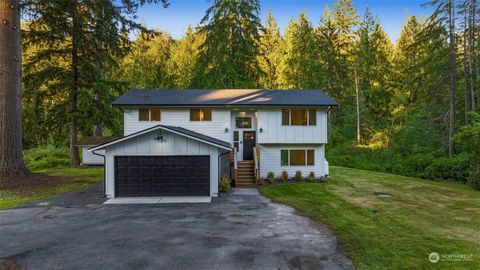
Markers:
162,161
162,176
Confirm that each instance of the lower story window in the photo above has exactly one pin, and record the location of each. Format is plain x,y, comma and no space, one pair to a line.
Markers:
297,157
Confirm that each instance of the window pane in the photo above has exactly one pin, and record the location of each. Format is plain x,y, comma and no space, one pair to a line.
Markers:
284,157
235,144
310,157
194,114
155,114
206,115
299,117
235,136
243,122
312,117
143,115
297,157
285,117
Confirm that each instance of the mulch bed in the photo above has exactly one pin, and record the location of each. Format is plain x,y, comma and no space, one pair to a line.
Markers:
9,264
34,180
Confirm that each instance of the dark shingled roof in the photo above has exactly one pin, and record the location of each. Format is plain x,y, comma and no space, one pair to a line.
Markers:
180,130
94,140
224,97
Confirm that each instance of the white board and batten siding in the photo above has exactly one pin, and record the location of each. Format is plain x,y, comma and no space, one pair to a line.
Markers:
180,117
146,145
270,160
270,120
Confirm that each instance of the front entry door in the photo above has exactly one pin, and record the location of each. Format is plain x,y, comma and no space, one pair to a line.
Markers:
248,144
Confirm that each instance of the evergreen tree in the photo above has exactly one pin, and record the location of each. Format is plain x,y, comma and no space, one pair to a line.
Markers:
271,53
83,35
184,57
300,68
228,57
335,36
373,58
146,66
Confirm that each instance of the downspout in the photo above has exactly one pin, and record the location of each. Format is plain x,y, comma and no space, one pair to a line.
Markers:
218,162
104,173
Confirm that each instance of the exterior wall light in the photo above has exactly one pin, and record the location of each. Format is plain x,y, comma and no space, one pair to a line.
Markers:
226,128
160,137
260,129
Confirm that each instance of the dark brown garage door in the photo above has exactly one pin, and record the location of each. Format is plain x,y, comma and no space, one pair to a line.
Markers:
162,176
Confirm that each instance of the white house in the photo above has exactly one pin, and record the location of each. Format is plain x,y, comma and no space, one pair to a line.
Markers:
180,142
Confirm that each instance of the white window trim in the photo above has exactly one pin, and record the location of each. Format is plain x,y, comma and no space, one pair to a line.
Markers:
290,118
289,155
149,115
201,120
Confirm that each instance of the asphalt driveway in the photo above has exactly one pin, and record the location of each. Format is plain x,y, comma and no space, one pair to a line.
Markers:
235,232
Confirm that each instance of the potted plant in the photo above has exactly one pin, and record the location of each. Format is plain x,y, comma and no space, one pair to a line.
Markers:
270,177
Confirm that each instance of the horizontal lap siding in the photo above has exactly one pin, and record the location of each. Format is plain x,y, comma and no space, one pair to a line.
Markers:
181,118
270,160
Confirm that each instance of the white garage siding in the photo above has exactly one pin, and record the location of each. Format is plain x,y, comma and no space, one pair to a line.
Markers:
146,145
88,158
270,160
180,117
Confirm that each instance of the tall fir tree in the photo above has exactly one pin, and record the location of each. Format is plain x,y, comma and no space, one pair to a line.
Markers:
84,35
184,57
300,68
146,66
373,56
228,57
271,53
336,40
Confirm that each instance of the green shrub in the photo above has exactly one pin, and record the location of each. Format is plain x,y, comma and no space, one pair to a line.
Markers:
225,184
457,168
271,177
298,176
284,176
474,180
311,176
46,157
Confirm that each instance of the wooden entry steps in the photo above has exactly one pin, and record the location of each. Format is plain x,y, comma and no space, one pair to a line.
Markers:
246,174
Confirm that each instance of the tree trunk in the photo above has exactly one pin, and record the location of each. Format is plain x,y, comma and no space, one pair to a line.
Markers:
472,64
452,75
466,65
358,106
11,156
74,155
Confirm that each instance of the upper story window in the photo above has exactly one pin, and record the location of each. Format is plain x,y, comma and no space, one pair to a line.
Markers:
152,114
243,122
299,117
297,157
200,114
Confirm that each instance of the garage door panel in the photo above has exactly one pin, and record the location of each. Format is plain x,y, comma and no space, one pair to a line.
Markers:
162,175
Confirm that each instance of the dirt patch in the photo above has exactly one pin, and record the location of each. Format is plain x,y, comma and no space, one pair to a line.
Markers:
9,264
34,180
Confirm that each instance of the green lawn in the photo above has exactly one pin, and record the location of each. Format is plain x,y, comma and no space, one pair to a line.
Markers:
391,233
70,179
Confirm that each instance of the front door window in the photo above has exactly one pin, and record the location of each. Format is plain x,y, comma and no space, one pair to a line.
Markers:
248,144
